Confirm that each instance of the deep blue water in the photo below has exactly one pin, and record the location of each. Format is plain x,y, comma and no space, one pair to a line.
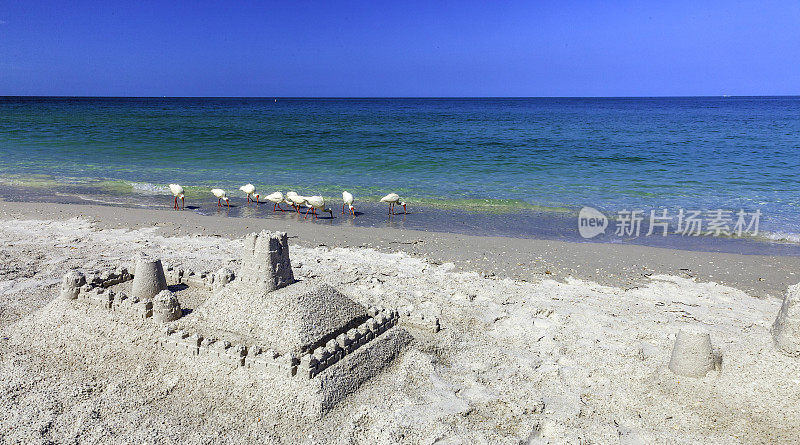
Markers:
546,154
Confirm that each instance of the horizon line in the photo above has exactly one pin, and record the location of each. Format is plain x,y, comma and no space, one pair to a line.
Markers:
394,97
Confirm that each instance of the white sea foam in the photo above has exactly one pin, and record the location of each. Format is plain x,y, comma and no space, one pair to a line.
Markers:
147,188
785,237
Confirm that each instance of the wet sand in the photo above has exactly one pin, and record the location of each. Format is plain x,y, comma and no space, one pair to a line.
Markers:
620,265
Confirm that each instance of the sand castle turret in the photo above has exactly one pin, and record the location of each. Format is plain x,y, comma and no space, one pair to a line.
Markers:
265,264
71,284
222,277
166,307
148,280
786,329
692,355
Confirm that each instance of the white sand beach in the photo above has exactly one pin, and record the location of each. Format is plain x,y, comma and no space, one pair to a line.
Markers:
556,359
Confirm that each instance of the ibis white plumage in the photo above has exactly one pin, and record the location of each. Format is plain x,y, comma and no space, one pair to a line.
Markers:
315,203
296,200
177,191
276,199
221,196
393,199
249,189
347,199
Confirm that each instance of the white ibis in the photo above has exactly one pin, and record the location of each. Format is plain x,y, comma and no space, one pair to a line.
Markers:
249,189
347,199
222,196
296,200
393,199
315,203
177,191
276,199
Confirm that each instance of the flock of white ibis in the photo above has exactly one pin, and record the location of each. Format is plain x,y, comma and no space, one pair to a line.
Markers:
313,204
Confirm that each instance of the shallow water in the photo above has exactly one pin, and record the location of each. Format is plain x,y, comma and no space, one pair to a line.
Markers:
514,167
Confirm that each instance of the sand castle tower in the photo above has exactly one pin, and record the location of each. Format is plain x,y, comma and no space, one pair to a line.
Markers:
148,280
265,262
692,354
166,307
71,284
786,329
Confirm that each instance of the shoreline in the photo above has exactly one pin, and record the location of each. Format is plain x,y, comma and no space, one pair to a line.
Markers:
621,265
479,217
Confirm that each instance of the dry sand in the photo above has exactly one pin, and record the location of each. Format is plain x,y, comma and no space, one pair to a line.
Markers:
577,355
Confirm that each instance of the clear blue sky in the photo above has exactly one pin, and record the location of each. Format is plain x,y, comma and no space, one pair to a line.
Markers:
401,48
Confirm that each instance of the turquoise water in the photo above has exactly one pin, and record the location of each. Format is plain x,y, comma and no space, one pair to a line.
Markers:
484,155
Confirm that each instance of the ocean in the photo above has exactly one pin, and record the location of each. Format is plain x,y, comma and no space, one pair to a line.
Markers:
509,166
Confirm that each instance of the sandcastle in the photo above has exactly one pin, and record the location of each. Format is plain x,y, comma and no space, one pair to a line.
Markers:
693,355
150,279
786,329
318,344
312,343
94,288
166,307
